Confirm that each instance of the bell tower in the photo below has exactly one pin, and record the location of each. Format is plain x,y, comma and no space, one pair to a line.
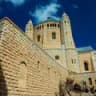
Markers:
67,38
72,59
29,29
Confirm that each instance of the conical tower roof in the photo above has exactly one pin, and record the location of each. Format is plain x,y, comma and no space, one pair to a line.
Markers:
65,14
29,22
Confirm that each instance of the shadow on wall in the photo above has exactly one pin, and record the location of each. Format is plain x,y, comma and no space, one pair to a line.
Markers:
3,87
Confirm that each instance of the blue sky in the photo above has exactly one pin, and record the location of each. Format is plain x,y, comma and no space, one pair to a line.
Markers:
81,12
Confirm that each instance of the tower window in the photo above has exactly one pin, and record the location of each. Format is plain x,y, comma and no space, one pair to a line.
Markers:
53,35
48,25
51,25
57,57
86,66
58,25
90,81
38,38
55,25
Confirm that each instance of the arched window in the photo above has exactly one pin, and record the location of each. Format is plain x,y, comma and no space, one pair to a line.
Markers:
53,35
86,67
22,74
38,38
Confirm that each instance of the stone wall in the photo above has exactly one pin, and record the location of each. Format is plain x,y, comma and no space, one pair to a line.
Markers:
27,69
79,77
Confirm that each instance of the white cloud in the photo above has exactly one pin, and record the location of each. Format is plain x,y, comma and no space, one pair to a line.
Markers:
16,2
43,12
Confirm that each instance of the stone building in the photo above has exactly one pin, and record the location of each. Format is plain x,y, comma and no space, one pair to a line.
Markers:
32,63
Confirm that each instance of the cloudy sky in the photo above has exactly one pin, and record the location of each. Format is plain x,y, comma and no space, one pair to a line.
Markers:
81,12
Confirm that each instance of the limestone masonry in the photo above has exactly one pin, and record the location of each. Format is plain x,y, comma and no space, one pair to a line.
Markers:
32,63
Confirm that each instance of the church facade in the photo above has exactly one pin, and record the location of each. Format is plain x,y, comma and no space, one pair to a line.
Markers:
55,37
32,63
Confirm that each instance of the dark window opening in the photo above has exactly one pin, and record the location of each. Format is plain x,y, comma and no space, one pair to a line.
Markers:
90,81
50,25
58,25
38,65
57,57
55,25
38,62
38,38
86,66
47,25
53,35
73,61
0,60
65,22
23,62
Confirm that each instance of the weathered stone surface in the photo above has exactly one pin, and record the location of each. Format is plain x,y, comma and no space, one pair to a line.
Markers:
27,69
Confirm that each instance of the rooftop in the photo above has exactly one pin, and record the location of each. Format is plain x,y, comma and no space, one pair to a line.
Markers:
49,19
85,49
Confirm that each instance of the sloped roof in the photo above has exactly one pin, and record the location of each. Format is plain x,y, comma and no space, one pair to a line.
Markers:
85,49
